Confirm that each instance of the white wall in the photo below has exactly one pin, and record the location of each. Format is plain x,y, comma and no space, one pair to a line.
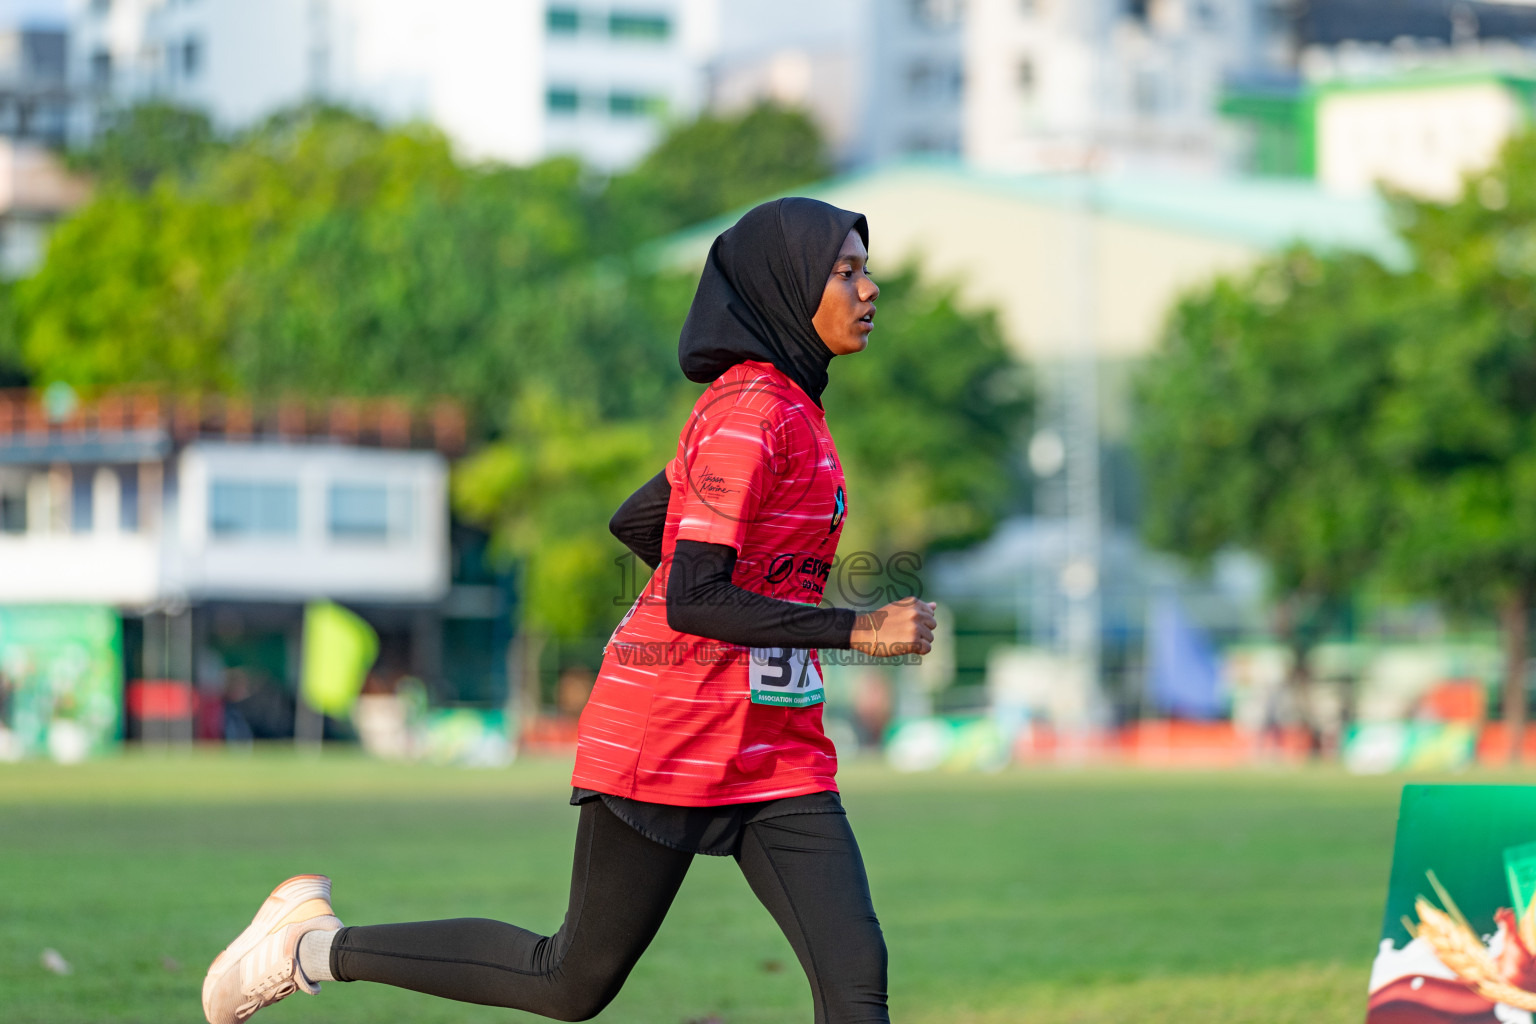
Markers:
174,553
311,562
42,568
1422,139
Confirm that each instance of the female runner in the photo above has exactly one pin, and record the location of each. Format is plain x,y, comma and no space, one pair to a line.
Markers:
703,733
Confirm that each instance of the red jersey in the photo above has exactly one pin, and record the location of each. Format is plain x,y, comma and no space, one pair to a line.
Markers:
672,718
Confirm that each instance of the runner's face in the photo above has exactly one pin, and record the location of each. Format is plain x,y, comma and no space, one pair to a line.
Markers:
847,311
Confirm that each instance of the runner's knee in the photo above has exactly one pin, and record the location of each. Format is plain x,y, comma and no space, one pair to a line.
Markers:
864,960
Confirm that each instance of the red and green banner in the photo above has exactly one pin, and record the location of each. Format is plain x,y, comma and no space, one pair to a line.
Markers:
1458,943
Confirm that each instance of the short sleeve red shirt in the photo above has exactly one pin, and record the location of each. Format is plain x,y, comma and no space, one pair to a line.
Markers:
670,720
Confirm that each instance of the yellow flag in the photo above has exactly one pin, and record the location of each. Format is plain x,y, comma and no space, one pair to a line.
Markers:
339,649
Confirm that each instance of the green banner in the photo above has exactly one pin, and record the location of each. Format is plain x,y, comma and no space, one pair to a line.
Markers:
1459,930
61,681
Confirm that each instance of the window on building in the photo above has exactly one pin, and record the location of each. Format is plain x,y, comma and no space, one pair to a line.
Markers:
191,57
922,142
639,26
562,100
934,14
1146,93
369,512
128,503
101,68
933,79
253,508
633,104
920,76
82,504
562,21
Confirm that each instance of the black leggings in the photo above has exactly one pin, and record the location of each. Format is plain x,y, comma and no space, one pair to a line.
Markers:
805,868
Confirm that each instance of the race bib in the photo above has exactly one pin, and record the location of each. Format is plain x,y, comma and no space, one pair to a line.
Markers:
785,677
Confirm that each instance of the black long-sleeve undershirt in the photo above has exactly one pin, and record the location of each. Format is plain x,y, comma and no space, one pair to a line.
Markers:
642,519
701,597
702,600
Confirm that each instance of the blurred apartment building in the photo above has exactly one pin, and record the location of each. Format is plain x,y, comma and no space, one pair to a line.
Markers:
1351,92
1420,129
882,78
1413,95
34,90
518,80
35,105
1117,85
207,526
512,80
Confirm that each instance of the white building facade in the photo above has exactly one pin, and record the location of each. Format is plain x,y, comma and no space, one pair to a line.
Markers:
1128,85
882,78
128,519
517,80
512,80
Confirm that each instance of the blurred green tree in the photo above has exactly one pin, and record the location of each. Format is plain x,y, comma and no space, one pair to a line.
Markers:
716,164
1459,427
13,368
136,289
161,286
1255,427
926,419
136,145
546,489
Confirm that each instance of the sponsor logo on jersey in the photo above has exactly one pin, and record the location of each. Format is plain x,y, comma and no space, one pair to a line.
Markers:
811,570
780,568
839,510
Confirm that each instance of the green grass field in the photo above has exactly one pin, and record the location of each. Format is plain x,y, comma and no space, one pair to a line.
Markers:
1071,897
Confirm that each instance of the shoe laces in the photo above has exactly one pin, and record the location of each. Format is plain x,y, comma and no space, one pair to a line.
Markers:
276,984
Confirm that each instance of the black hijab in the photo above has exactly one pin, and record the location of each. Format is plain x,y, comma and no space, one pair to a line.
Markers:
761,286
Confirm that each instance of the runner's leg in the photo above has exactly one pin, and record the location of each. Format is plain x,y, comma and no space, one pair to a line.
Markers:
807,870
621,886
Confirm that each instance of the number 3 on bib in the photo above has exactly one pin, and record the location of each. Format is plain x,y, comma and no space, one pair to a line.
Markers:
785,677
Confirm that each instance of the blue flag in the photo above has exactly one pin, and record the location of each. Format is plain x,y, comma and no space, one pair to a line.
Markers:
1183,677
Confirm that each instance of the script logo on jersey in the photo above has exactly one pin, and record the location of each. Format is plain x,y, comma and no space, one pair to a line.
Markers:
839,510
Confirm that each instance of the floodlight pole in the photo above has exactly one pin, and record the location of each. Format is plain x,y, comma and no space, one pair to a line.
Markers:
1080,580
1080,584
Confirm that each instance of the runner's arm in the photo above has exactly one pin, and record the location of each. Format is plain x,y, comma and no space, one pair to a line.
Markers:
642,519
702,600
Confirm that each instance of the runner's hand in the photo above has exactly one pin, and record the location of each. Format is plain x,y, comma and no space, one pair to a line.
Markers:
901,627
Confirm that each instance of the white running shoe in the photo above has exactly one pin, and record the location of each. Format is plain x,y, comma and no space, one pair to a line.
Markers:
262,965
